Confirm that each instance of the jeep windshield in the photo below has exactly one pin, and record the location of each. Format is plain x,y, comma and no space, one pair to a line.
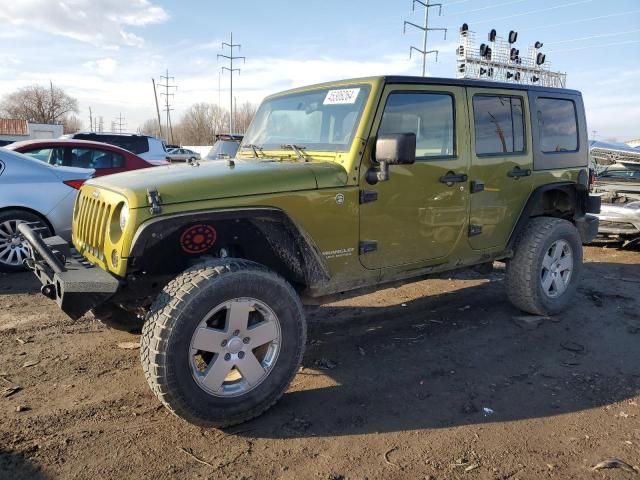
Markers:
323,120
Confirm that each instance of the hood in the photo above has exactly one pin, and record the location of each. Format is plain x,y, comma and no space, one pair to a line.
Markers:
217,179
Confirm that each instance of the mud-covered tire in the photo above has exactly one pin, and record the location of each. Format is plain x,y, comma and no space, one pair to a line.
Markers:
526,273
9,220
116,317
168,332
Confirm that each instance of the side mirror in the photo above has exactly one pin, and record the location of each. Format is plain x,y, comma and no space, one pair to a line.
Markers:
396,148
393,149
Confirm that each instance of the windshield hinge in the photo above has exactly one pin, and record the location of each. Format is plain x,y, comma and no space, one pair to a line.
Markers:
154,199
367,196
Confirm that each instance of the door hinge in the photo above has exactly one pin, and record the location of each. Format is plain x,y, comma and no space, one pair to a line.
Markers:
367,196
477,186
475,230
153,197
368,246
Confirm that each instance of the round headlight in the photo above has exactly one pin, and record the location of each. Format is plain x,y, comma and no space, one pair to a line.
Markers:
124,216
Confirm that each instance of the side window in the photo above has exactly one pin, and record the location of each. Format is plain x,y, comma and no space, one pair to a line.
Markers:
90,158
499,124
428,115
52,156
557,125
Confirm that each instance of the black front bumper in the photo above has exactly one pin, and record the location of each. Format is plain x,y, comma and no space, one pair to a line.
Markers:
76,285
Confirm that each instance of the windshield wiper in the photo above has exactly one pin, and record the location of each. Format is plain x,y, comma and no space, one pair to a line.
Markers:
297,149
253,147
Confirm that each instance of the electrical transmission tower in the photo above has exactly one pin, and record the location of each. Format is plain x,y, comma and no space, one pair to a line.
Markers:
231,57
425,29
168,93
120,122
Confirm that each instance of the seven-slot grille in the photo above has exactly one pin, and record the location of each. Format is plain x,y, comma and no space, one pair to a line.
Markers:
92,220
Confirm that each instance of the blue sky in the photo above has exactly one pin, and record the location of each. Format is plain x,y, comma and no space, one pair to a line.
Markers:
105,52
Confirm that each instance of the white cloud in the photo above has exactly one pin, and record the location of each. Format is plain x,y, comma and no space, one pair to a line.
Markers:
103,66
98,22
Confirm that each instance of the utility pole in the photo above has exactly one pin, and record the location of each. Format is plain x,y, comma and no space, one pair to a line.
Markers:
155,96
100,124
120,122
231,58
168,93
425,29
91,120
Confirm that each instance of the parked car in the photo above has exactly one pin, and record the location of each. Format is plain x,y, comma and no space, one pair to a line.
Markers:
182,155
619,188
341,187
225,146
34,191
104,158
151,149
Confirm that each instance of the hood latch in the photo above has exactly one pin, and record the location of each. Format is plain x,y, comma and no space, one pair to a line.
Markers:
154,199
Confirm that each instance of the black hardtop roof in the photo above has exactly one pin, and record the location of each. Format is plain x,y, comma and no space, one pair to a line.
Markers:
467,82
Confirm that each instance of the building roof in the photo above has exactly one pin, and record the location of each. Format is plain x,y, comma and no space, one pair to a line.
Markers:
9,126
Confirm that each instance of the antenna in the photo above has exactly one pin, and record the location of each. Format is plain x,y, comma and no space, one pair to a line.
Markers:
167,94
500,60
425,28
231,57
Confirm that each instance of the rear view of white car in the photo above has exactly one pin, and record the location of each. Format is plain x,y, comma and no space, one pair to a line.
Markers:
35,192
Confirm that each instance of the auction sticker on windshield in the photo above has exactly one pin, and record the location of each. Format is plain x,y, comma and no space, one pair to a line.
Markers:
344,96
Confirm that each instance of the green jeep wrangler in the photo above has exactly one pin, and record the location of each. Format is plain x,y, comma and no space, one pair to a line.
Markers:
336,188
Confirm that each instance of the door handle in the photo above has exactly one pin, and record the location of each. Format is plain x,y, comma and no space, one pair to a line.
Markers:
450,178
519,172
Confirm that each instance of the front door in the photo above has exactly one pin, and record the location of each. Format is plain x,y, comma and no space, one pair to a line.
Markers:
501,164
420,214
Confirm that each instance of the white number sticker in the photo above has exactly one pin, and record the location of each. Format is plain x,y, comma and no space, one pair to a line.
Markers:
344,96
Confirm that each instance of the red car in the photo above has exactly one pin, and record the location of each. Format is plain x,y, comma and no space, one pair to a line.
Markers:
104,158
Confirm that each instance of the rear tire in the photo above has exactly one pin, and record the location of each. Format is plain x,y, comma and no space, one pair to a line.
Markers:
222,342
12,248
543,275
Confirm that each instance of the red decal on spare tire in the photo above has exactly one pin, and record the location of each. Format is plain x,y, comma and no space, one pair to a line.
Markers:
198,238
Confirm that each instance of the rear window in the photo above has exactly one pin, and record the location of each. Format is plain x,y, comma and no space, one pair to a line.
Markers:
50,155
557,125
133,144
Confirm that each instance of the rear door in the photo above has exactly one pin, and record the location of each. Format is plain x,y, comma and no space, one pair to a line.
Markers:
105,162
418,216
501,164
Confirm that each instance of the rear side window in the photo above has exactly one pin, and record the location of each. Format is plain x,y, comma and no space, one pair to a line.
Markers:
90,158
557,125
428,115
499,125
51,155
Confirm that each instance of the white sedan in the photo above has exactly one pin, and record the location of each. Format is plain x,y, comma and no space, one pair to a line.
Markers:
182,155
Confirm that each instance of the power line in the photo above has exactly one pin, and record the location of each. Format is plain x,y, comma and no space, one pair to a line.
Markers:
464,12
167,94
555,7
581,20
590,37
425,29
231,57
627,42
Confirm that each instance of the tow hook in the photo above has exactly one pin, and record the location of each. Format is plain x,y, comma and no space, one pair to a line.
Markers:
49,291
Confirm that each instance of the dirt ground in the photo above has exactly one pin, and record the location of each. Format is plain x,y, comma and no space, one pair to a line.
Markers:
431,380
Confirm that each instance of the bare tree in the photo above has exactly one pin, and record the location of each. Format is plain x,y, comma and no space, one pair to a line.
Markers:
150,127
244,115
200,123
72,124
39,104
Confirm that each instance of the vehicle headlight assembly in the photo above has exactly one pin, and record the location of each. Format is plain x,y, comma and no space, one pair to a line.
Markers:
124,216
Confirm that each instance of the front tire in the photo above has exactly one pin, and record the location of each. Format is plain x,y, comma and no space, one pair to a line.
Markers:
543,275
222,342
